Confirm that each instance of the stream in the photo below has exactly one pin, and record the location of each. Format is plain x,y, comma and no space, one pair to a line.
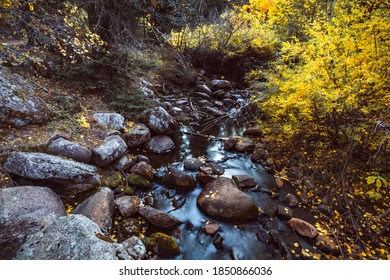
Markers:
239,241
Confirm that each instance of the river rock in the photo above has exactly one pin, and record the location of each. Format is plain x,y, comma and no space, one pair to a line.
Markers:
159,121
279,182
72,189
175,111
160,144
73,237
99,208
111,149
180,180
230,142
143,158
158,218
135,247
204,89
144,169
220,84
204,179
228,102
258,154
211,227
23,211
290,200
244,181
137,180
61,146
244,144
39,166
327,244
125,162
137,135
254,131
20,104
129,227
192,164
112,120
214,111
284,212
218,103
216,168
302,227
127,205
163,245
221,199
208,170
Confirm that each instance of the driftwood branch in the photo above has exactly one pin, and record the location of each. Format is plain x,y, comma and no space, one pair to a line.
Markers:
211,137
384,214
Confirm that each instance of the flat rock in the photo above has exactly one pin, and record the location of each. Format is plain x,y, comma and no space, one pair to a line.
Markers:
192,164
220,84
24,211
127,205
144,169
73,237
244,181
61,146
160,144
221,199
158,218
302,227
20,104
137,135
159,121
39,166
99,208
112,120
110,150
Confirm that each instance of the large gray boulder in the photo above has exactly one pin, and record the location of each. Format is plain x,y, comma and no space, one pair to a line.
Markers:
40,166
137,135
112,120
73,237
159,121
61,146
23,211
19,101
222,199
99,208
111,149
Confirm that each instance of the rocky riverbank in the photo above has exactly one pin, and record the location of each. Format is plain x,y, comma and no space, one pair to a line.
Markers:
137,189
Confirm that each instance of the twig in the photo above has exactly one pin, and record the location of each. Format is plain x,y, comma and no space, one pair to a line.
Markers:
384,214
211,137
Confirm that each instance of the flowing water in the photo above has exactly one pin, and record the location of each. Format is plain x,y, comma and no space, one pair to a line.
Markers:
239,240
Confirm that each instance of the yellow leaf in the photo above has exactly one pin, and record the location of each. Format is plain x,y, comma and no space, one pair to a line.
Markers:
83,122
371,179
378,183
31,7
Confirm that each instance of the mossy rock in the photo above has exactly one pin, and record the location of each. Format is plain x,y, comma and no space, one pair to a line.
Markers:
137,180
112,180
162,245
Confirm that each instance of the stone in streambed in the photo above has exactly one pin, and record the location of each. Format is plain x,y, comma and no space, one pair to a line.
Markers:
129,227
125,162
127,205
163,245
110,150
254,131
244,144
180,180
204,88
192,164
137,180
24,211
230,142
159,121
220,84
135,247
222,199
244,181
137,135
158,218
99,208
144,169
160,144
